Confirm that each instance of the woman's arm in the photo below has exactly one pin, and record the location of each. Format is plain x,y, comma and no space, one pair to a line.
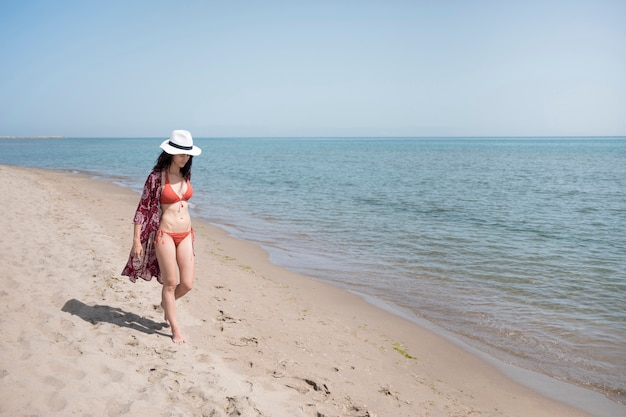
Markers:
149,197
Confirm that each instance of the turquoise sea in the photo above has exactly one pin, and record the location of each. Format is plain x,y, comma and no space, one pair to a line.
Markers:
515,245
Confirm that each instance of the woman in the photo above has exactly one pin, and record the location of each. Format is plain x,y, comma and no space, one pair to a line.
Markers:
163,237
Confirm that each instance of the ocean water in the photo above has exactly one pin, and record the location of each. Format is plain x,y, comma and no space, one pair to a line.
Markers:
515,245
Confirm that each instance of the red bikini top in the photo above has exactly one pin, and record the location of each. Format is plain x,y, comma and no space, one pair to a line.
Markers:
169,196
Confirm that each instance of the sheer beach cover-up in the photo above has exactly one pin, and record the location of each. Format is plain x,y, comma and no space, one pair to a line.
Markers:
148,215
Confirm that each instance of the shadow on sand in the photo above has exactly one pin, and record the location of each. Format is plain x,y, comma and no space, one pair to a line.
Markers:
106,314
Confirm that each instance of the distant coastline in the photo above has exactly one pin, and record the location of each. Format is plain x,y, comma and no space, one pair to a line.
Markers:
32,137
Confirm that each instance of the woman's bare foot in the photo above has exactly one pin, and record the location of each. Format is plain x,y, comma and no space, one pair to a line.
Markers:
177,337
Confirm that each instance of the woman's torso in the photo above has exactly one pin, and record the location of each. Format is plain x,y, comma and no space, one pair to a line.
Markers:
175,194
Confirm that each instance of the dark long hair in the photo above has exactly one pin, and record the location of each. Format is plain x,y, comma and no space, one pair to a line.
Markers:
165,160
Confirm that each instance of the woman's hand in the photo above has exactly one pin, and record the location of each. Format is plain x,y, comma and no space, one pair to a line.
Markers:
137,250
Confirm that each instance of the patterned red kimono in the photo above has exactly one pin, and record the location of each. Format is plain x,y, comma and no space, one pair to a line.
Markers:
148,215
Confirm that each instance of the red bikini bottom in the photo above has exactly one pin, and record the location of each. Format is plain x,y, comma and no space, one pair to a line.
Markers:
176,237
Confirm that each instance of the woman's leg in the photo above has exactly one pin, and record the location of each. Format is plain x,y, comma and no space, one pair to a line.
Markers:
167,256
185,259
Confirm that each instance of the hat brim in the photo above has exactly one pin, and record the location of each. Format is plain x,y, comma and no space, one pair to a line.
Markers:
194,151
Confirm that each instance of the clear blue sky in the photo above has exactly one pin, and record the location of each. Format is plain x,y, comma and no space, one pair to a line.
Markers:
313,68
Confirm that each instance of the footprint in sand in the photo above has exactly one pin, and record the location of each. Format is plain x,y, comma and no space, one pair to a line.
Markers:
242,406
115,409
55,401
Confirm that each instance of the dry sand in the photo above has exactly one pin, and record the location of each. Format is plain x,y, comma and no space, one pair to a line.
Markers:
78,339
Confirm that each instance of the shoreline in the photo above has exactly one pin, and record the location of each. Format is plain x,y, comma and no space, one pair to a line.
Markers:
584,398
272,339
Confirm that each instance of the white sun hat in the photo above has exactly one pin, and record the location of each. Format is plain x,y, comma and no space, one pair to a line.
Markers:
180,142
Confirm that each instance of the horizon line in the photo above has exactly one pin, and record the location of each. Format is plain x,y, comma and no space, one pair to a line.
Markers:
318,137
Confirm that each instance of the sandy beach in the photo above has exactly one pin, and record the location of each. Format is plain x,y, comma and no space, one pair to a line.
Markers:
79,339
